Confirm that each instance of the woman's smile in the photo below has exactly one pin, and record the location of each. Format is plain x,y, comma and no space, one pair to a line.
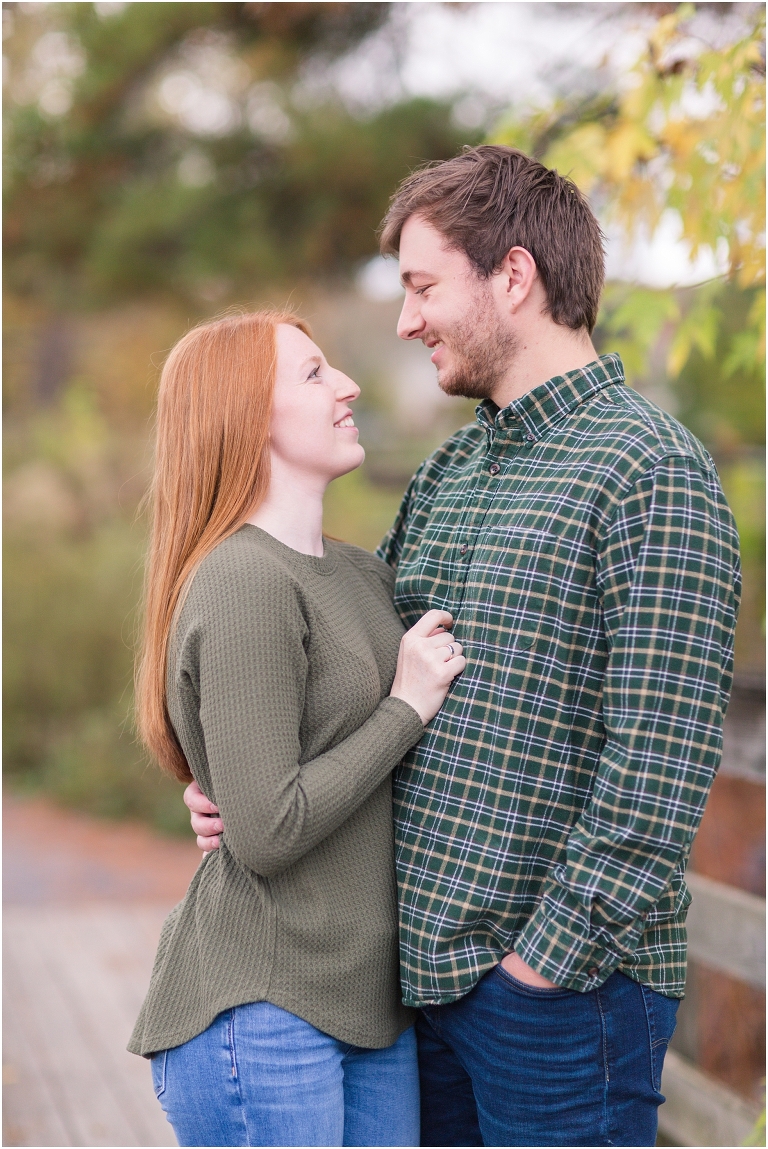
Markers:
346,422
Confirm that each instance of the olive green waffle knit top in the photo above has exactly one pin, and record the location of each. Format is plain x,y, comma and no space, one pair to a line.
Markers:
279,672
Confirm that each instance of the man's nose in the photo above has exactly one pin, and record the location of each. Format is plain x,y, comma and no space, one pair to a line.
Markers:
410,325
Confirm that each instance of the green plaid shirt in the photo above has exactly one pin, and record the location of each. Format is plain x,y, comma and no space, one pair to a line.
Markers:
582,542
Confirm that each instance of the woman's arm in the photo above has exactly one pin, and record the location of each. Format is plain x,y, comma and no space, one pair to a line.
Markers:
250,668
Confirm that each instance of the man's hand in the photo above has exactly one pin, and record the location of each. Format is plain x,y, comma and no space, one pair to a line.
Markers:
520,970
205,819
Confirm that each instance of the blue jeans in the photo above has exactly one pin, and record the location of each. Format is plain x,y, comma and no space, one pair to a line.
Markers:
512,1065
261,1076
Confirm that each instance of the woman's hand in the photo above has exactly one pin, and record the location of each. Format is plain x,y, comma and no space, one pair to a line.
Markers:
205,819
426,667
428,661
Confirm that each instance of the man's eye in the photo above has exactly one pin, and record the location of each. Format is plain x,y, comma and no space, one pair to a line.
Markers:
315,374
420,290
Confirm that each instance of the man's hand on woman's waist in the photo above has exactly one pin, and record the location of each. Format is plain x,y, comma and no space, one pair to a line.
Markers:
205,819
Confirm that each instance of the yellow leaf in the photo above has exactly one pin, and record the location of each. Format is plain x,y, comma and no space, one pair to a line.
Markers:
581,156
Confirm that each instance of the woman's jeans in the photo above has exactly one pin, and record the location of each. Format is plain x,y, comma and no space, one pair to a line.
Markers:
513,1065
261,1076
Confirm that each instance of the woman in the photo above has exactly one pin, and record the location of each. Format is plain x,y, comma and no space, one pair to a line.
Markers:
273,672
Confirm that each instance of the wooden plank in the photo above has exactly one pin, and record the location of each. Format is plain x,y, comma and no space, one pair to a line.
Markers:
31,1115
63,1047
77,976
726,929
113,950
46,1024
699,1111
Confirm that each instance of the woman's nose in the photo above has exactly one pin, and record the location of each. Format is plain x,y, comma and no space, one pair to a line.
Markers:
346,388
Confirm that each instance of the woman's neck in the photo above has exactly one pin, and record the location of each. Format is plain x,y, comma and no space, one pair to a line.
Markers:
292,511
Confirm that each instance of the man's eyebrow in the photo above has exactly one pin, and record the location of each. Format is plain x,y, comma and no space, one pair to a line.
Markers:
408,276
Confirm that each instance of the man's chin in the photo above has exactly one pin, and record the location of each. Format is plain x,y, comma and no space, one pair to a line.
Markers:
460,387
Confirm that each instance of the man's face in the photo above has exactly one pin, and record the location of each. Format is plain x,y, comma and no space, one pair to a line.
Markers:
454,311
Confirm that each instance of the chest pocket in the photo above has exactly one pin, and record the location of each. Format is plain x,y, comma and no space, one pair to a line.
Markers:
509,591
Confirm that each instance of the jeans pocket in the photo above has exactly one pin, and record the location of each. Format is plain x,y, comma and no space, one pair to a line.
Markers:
158,1072
661,1012
530,990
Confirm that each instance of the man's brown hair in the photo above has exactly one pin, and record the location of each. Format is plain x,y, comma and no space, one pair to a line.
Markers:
492,198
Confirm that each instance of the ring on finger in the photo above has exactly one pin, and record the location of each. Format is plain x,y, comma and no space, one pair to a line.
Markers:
452,649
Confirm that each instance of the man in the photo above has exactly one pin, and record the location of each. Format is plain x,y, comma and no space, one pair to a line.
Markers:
580,538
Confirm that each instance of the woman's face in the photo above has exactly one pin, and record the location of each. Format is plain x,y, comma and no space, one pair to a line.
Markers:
312,430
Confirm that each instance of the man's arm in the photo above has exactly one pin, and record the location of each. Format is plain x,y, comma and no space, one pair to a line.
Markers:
667,573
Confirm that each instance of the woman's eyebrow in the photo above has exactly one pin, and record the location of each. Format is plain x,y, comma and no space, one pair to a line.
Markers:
313,361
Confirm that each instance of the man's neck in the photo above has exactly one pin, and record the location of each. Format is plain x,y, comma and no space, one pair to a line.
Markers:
544,351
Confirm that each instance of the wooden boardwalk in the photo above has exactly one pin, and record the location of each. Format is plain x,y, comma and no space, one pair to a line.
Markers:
84,902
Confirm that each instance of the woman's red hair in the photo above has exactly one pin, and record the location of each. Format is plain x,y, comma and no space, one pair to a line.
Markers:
211,472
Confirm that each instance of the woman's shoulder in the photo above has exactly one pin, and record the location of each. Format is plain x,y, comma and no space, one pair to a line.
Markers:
241,570
247,553
368,564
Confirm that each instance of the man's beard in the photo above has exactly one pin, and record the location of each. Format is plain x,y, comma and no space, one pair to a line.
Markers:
481,350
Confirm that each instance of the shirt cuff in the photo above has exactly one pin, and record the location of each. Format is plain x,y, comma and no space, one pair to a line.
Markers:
552,944
403,713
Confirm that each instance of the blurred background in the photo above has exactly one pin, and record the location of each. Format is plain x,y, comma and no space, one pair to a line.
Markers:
167,160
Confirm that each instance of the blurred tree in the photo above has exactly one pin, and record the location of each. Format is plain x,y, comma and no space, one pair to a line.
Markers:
171,147
686,135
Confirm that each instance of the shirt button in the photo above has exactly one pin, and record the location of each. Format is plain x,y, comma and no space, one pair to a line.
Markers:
463,549
530,438
594,971
494,469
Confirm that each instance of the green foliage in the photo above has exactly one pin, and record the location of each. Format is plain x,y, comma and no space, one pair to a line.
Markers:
757,1136
72,579
69,619
358,511
632,319
695,334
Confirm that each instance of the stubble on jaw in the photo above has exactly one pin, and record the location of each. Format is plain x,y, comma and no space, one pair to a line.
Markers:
481,350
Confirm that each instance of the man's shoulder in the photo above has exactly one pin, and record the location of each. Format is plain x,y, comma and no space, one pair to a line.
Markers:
626,426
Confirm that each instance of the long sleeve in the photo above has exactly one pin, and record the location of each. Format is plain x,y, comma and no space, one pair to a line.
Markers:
665,577
247,664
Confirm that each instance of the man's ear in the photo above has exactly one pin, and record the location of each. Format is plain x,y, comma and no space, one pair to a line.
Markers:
518,274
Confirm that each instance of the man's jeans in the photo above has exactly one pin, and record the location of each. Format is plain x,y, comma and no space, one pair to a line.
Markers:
513,1065
261,1076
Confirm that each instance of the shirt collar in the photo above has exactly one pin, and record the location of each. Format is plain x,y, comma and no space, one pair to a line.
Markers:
545,406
